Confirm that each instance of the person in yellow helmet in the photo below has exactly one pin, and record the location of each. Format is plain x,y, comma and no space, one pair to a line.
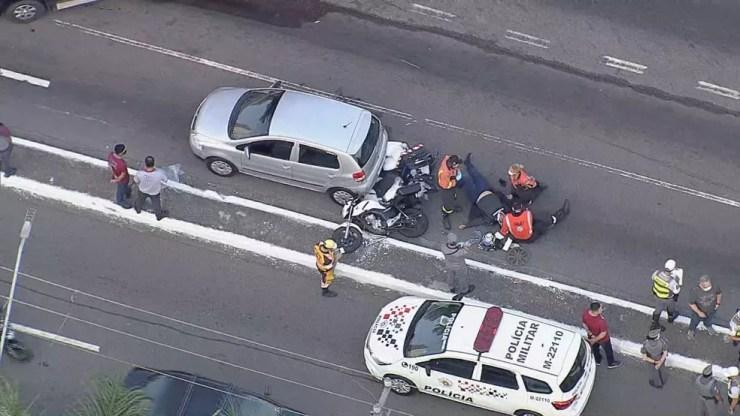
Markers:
327,255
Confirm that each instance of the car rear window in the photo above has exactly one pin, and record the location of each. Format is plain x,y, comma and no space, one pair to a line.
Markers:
253,113
576,372
430,328
371,141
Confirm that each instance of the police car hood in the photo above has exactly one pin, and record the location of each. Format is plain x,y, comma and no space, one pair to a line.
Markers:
388,332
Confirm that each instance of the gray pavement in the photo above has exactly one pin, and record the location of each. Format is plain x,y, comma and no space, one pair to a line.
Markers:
620,229
150,299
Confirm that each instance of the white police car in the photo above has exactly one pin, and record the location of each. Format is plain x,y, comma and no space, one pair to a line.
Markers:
482,356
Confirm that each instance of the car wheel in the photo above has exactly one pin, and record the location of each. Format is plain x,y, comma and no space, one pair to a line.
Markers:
25,11
341,196
526,413
221,167
401,385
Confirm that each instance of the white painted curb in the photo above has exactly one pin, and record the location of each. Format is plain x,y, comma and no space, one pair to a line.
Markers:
181,228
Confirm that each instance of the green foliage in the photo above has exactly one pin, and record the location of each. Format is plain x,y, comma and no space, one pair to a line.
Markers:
10,401
109,397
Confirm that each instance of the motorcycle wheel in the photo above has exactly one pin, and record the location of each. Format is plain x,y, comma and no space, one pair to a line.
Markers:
351,242
18,352
415,225
374,221
517,256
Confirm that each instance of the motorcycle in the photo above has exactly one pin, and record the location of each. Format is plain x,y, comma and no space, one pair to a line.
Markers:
14,348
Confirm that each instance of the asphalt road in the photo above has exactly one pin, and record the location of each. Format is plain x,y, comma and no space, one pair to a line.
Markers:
148,298
104,91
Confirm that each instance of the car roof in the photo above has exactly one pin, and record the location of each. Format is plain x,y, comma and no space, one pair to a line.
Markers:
319,120
167,382
513,338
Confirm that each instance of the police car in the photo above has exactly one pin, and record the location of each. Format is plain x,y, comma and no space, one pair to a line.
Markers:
480,355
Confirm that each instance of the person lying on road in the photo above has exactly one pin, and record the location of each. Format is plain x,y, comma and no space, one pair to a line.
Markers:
486,202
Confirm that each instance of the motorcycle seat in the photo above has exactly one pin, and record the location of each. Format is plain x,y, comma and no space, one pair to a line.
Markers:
409,189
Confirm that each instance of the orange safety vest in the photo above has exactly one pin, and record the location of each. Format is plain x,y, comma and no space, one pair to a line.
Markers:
446,177
520,226
523,181
324,261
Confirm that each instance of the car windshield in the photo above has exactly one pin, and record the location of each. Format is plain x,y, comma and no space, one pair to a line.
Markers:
253,113
576,372
371,141
430,328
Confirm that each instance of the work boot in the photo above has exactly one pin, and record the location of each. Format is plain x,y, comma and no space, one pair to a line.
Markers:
328,293
446,222
467,158
672,318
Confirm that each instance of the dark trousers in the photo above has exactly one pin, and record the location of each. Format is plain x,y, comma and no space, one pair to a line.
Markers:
478,182
123,193
656,376
607,346
695,319
5,160
156,203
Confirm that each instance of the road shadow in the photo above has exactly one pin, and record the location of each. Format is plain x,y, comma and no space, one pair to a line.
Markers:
284,13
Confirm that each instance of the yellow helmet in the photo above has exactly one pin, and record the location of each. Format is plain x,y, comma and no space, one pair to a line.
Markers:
330,244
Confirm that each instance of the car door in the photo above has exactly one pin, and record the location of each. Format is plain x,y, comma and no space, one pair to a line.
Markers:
500,390
447,377
268,158
316,168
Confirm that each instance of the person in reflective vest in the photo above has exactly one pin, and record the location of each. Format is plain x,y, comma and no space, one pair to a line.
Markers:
665,290
524,187
327,256
521,225
733,388
449,176
734,335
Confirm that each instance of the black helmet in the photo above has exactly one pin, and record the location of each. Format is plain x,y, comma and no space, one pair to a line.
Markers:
517,207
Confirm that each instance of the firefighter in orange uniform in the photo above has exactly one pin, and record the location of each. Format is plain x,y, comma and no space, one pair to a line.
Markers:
448,178
521,225
327,256
524,187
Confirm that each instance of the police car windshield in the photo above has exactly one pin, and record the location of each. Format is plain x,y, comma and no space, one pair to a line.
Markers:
430,328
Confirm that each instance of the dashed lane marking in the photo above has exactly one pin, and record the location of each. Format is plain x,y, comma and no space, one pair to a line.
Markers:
624,65
24,78
528,39
719,90
432,12
232,69
89,203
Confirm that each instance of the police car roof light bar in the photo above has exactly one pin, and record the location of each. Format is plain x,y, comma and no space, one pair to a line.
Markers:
488,329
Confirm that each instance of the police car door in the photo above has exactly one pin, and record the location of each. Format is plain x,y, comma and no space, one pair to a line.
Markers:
499,390
447,377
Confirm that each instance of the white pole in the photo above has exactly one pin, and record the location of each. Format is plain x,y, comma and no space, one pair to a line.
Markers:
25,233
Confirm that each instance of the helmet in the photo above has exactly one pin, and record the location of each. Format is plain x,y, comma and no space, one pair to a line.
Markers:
732,372
670,265
453,160
515,169
517,207
329,244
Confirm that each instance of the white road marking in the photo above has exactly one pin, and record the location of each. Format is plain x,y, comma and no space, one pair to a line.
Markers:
229,68
24,78
719,90
54,337
306,219
60,5
410,64
71,114
582,162
176,227
624,65
432,12
528,39
407,116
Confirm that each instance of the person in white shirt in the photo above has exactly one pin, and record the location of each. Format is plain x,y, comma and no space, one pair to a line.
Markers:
733,388
150,181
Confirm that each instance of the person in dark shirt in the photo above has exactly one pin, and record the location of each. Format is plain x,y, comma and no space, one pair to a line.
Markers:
704,302
486,202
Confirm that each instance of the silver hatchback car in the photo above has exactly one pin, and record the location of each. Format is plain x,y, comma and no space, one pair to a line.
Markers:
290,137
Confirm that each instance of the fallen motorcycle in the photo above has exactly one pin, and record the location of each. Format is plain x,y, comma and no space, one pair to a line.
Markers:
516,255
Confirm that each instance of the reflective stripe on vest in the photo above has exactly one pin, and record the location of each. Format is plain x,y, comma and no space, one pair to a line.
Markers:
661,287
446,176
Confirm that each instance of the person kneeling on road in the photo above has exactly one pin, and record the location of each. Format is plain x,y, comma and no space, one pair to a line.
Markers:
487,203
523,227
524,187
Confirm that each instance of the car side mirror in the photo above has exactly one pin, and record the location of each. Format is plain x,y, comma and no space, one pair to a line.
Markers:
427,368
246,152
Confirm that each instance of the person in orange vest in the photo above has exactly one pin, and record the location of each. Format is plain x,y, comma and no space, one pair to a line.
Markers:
449,176
524,187
523,227
327,256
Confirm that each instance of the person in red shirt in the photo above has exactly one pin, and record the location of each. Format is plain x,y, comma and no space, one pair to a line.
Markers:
597,332
6,148
119,175
523,227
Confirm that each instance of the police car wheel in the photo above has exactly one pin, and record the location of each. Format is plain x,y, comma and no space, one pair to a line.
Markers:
400,385
526,413
25,11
